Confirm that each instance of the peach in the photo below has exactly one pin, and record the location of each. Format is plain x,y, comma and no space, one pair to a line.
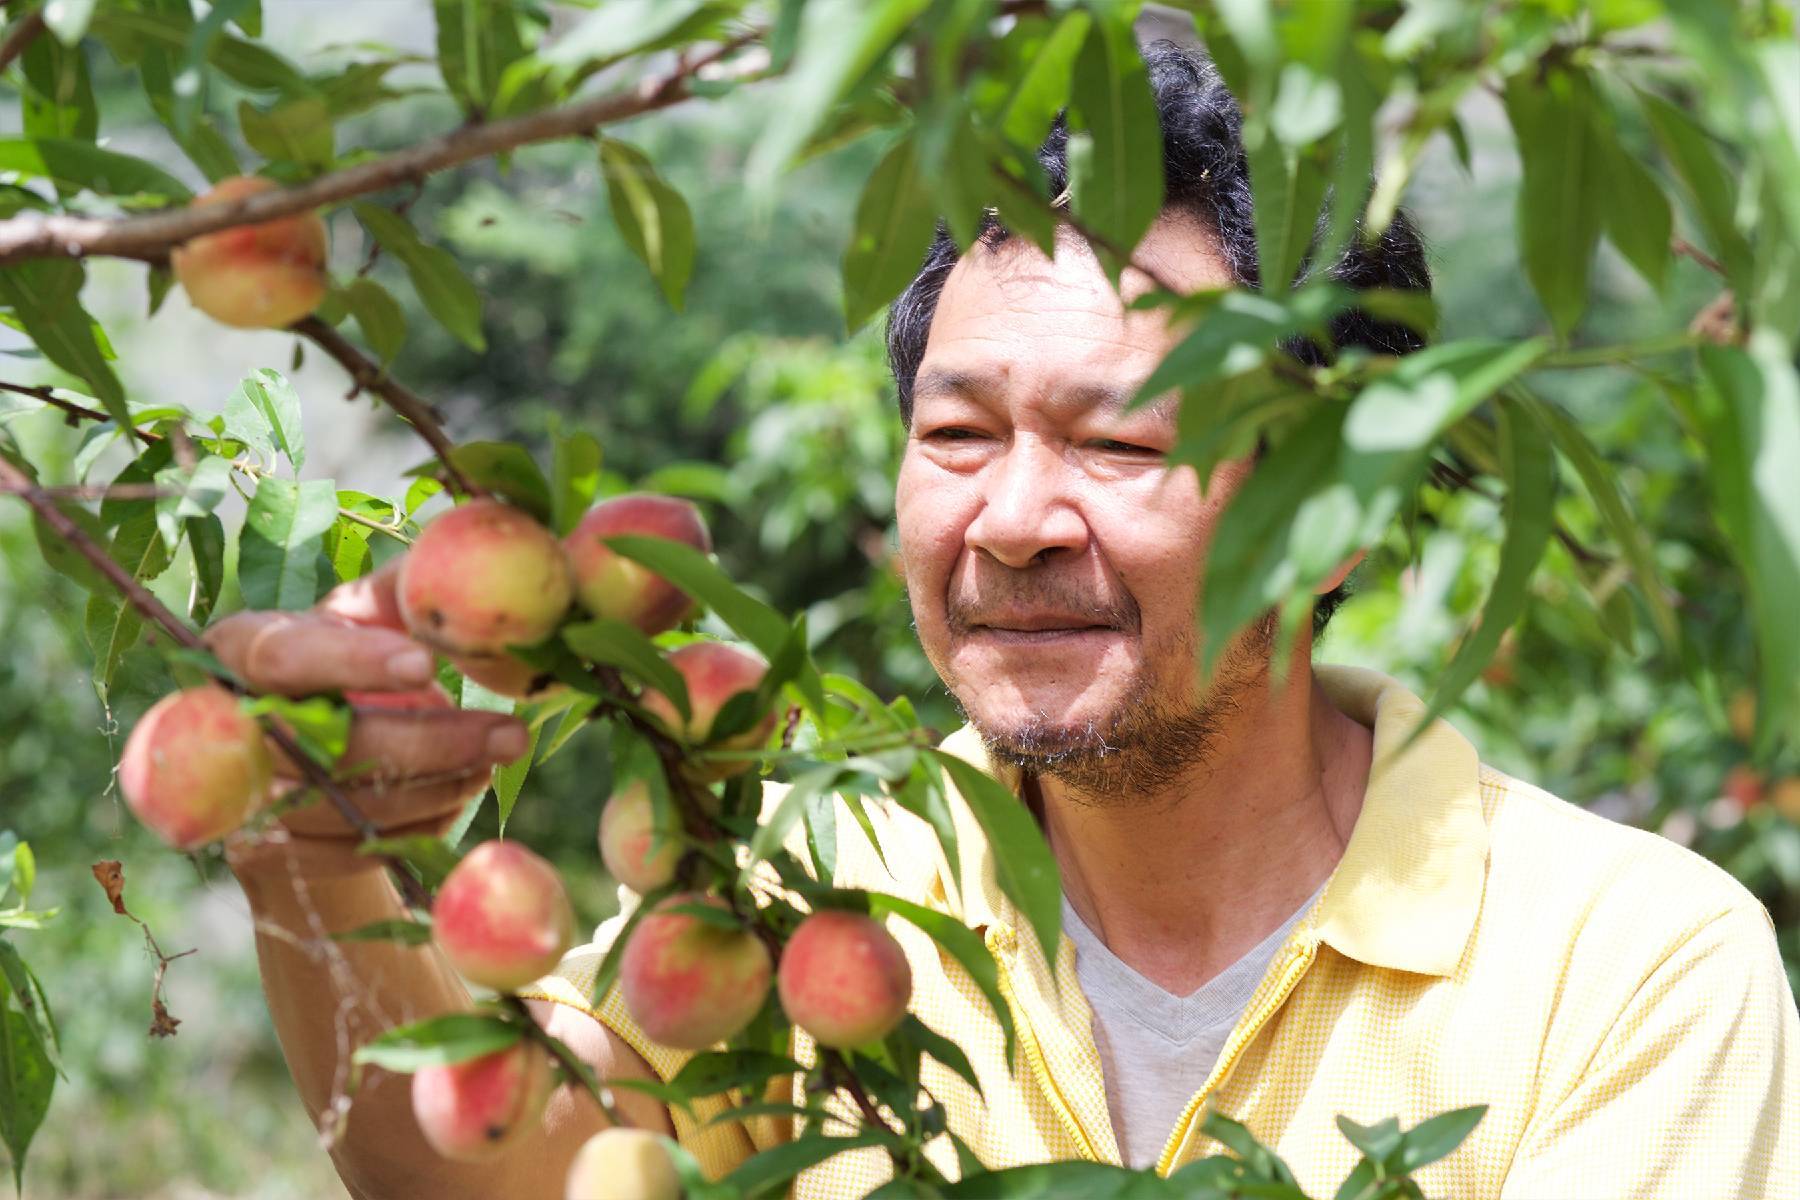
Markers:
471,1110
639,855
509,676
612,586
195,767
263,276
688,983
714,673
844,979
502,917
1744,786
482,577
622,1164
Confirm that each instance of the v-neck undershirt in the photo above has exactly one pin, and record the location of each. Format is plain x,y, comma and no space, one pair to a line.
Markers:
1156,1049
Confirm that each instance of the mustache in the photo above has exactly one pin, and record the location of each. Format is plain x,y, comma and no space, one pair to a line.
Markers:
963,612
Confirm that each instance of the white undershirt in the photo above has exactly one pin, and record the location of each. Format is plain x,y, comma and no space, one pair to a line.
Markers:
1156,1049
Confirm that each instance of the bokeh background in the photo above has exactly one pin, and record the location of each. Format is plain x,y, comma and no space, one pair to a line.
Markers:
755,403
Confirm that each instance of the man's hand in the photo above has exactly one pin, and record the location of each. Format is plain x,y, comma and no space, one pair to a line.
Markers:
417,768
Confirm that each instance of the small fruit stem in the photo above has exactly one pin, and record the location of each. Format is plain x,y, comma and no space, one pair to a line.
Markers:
18,483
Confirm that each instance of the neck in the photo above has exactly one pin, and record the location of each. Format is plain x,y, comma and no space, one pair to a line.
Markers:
1182,884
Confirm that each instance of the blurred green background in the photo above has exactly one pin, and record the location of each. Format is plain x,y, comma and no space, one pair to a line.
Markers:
753,402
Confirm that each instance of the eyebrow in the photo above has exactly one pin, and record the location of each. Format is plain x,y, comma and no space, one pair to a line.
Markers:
1108,398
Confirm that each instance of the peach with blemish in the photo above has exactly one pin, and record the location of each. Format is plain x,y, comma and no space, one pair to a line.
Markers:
471,1110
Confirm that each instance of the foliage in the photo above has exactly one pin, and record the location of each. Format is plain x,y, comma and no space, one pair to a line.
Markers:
1569,554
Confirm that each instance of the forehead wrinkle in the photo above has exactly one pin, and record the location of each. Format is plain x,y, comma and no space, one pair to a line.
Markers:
1107,398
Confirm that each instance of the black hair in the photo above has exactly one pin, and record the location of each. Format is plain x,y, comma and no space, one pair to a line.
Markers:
1205,174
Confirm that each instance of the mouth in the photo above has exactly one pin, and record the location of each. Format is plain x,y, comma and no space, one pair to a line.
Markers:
1033,630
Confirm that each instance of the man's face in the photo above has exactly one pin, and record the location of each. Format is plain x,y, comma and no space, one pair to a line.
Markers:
1052,558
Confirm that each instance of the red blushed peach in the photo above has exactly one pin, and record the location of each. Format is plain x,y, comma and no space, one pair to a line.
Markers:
714,673
690,984
639,855
195,767
611,586
471,1110
844,979
502,917
482,577
622,1164
263,276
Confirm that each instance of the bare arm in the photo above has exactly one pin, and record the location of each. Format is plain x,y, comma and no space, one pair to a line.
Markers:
304,881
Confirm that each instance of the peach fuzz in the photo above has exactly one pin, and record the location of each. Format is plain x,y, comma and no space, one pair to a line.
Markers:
502,917
630,844
844,979
690,984
482,577
622,1164
470,1111
263,276
612,586
195,767
714,672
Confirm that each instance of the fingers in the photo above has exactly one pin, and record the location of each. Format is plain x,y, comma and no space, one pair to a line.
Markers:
392,808
369,601
300,654
390,744
278,850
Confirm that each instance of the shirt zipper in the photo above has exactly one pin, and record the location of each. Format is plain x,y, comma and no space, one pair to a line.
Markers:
1291,973
1033,1052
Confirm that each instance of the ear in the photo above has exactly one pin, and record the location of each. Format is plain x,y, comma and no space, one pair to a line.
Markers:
1343,572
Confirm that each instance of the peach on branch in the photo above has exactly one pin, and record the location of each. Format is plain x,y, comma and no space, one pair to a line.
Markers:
502,917
482,577
622,1164
844,979
470,1110
262,276
689,983
639,854
714,673
195,767
508,676
612,586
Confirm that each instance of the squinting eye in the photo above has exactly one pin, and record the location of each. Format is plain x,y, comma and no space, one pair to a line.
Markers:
953,433
1115,446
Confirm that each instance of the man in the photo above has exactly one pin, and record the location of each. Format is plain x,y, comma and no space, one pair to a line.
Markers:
1270,912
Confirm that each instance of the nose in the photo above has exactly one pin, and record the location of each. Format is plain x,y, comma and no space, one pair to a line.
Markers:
1027,512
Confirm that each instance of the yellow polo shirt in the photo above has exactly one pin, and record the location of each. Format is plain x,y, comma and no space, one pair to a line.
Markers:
1616,1000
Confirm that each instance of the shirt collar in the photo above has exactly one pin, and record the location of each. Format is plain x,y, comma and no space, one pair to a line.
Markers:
1408,889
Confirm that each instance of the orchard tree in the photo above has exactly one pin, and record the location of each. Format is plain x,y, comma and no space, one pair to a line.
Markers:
1663,127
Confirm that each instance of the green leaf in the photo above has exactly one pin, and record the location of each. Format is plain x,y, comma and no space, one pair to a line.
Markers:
1042,88
476,40
446,290
626,27
1377,1141
939,1047
190,494
1237,1138
321,725
378,315
45,295
1437,1136
964,945
296,131
438,1042
1027,869
1753,438
1119,191
206,541
79,164
405,933
504,468
1529,513
1602,484
695,574
652,217
281,547
264,413
33,1004
1238,333
895,219
427,855
574,478
27,1078
618,644
781,1163
1714,193
190,83
1289,187
509,780
1636,213
771,833
58,99
1562,192
716,1071
1068,1180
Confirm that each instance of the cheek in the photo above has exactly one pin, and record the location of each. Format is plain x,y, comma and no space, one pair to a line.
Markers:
930,522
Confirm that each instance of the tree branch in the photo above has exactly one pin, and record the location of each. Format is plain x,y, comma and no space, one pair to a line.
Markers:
77,412
36,235
19,37
21,484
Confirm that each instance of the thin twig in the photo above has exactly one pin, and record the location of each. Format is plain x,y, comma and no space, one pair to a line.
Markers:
141,599
402,399
1687,249
19,37
98,491
36,235
77,412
